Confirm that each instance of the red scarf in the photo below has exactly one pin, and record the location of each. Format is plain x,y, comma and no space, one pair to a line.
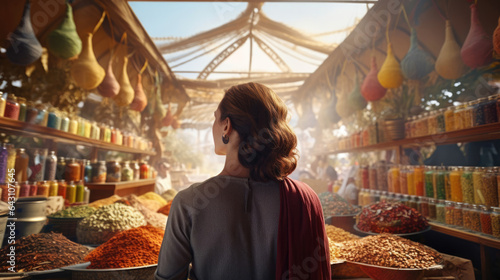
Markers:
303,250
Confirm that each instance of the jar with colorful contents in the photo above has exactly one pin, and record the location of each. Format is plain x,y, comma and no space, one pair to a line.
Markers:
71,192
50,166
429,181
137,170
459,116
65,123
403,179
21,165
33,188
144,168
467,185
419,180
447,183
423,206
432,208
54,120
22,108
62,189
486,220
113,171
448,216
31,112
73,125
72,171
42,117
449,119
80,192
24,189
127,172
440,211
455,185
99,172
3,102
4,155
11,107
432,123
458,219
441,126
43,188
410,180
440,182
468,121
53,188
372,177
477,181
490,110
475,218
495,221
478,112
393,179
87,171
489,190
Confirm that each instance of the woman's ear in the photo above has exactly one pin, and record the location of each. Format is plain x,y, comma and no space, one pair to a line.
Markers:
227,126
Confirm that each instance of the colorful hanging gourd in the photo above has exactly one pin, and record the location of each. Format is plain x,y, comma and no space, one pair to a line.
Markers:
86,71
356,100
126,93
109,86
496,38
417,63
389,75
140,101
24,48
477,49
449,64
64,41
371,89
167,120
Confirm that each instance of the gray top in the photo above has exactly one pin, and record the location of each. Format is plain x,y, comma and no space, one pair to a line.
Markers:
227,227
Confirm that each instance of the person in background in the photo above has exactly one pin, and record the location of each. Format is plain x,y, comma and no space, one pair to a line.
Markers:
251,221
163,180
348,190
332,176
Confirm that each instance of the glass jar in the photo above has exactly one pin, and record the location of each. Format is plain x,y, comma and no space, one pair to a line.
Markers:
448,216
60,168
11,156
403,179
432,209
65,123
43,188
425,124
80,191
447,182
95,131
449,118
467,185
107,134
2,104
62,189
455,185
466,208
495,221
419,180
21,165
25,189
72,172
489,190
410,180
137,170
477,181
86,132
440,182
54,120
99,172
475,218
490,110
376,195
458,219
41,118
429,181
405,199
31,112
22,108
4,192
486,220
73,126
81,127
423,206
113,135
440,211
11,107
113,171
119,137
478,112
53,188
37,164
127,172
432,123
71,192
408,127
50,166
372,177
365,184
33,188
144,170
4,154
393,179
441,126
459,117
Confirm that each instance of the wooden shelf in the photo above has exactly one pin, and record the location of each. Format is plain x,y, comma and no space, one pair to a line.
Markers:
104,190
479,133
467,235
58,136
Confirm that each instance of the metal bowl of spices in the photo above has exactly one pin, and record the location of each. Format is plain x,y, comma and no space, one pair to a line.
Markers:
80,272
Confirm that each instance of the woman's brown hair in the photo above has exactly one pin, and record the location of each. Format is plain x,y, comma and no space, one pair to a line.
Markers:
268,144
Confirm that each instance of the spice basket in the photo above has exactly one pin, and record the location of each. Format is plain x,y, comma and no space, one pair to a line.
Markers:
66,226
390,273
345,222
80,272
412,235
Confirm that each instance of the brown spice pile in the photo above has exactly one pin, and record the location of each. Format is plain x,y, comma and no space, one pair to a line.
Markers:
336,234
390,251
43,251
131,248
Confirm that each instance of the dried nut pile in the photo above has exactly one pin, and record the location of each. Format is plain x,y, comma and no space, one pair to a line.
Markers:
155,219
390,217
107,221
81,211
42,251
388,250
334,205
336,234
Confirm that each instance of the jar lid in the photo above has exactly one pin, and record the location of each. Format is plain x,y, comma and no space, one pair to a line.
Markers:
21,99
11,96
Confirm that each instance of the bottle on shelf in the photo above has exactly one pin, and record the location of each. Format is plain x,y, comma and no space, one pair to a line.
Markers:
2,104
71,192
455,184
21,165
467,184
495,221
486,220
22,108
11,107
50,166
80,192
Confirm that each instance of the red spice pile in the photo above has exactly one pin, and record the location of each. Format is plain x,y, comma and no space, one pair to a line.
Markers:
131,248
390,217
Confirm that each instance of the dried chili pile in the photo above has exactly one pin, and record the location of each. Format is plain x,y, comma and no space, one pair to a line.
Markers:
43,251
390,217
131,248
334,205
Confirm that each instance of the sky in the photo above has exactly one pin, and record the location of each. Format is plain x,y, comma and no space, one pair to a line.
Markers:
185,19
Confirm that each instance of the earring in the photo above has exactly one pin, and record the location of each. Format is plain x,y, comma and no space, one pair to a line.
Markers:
225,139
